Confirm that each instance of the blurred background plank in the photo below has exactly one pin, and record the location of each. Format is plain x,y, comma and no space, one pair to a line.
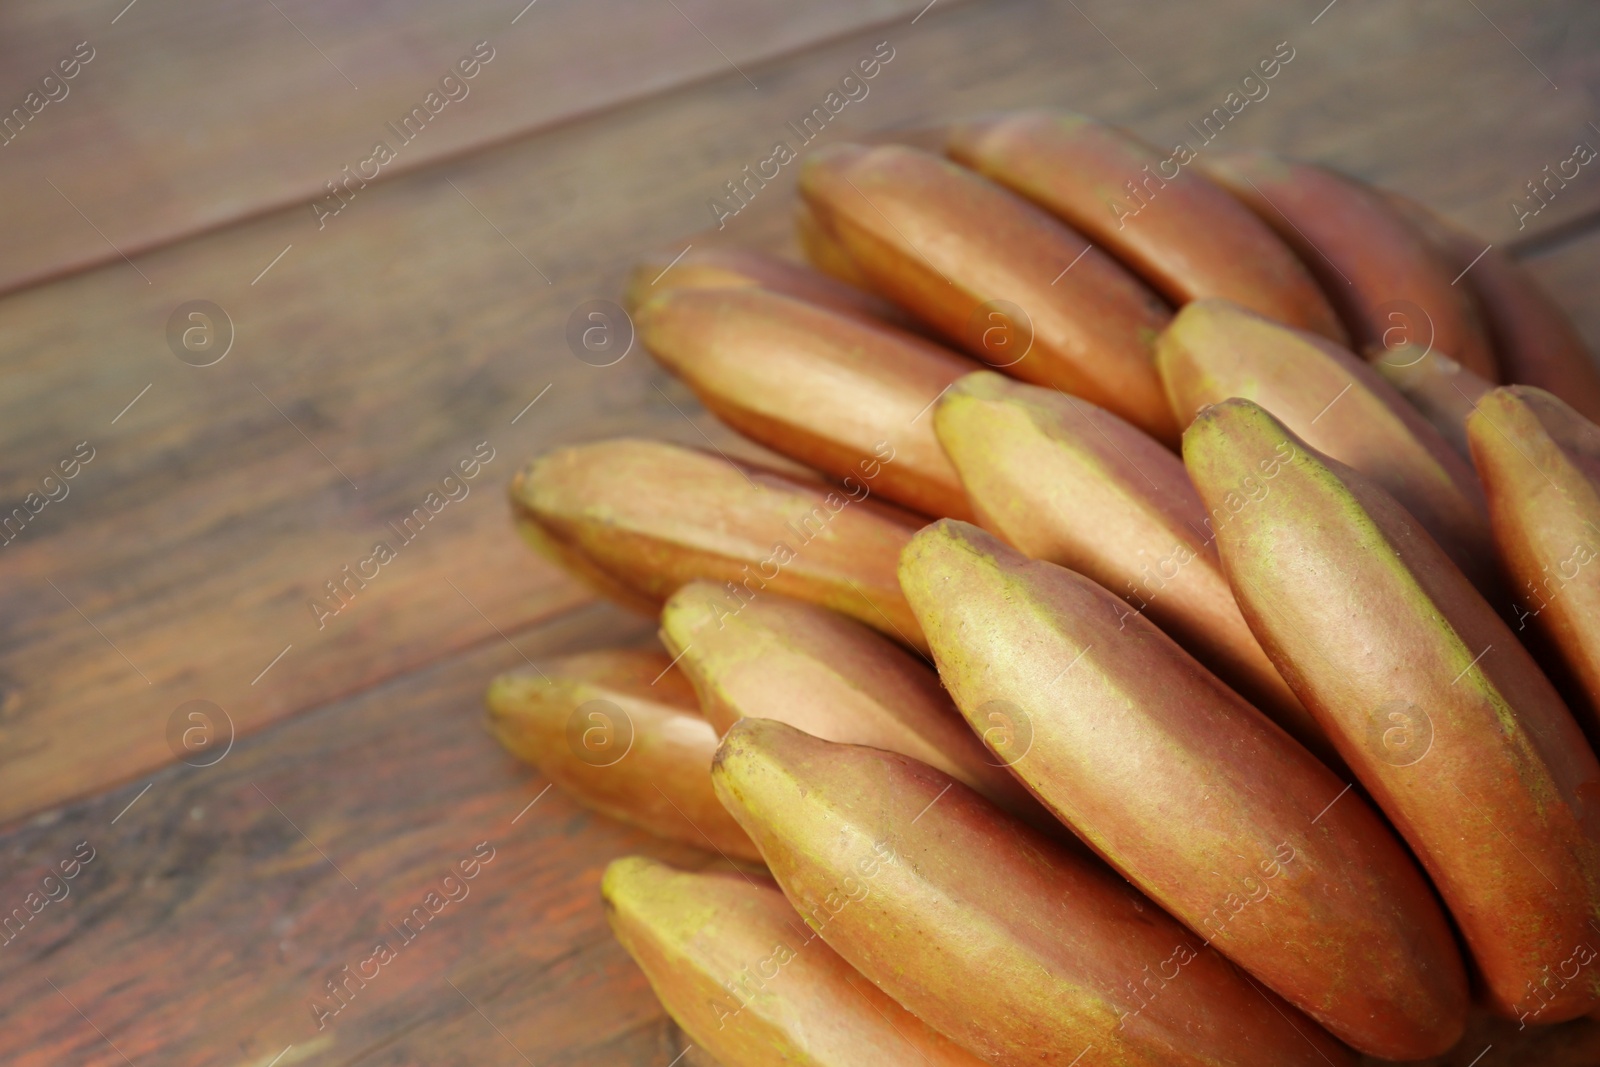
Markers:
191,116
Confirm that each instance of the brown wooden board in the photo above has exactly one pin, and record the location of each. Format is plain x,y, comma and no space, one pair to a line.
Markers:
192,116
216,907
187,116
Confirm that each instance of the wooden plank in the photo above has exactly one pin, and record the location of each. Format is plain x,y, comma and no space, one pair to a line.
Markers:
375,355
216,112
258,106
214,910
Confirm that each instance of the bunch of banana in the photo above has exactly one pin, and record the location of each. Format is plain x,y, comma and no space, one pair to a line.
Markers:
1167,663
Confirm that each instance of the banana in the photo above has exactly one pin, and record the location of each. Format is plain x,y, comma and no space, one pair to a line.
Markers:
735,967
1061,480
1540,464
574,562
823,252
1182,233
1013,948
1215,350
1535,342
1574,1044
620,731
1318,900
832,677
823,388
738,268
1451,727
994,274
1439,387
650,517
1379,271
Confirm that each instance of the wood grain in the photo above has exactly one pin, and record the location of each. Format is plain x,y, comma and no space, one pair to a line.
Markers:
216,907
260,107
217,112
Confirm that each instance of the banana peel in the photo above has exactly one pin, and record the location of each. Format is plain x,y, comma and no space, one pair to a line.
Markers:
620,731
1535,341
1061,480
997,276
1540,464
823,252
1012,947
650,517
1440,388
1380,271
1335,401
739,972
739,268
1454,731
832,677
822,388
1319,900
1185,235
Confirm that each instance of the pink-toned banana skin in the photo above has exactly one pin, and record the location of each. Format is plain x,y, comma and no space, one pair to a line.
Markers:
1368,257
819,387
646,517
1185,235
742,268
660,780
992,934
1126,730
1437,386
1064,481
946,244
1454,731
1215,349
1535,342
1540,464
736,968
829,675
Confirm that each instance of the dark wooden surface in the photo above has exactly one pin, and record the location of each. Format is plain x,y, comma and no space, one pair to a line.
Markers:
380,350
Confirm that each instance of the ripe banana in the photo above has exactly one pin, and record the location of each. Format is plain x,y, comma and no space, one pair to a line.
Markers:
822,388
651,517
1182,233
1451,727
621,732
1381,273
994,274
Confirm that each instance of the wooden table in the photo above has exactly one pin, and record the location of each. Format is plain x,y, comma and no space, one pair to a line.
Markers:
374,348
